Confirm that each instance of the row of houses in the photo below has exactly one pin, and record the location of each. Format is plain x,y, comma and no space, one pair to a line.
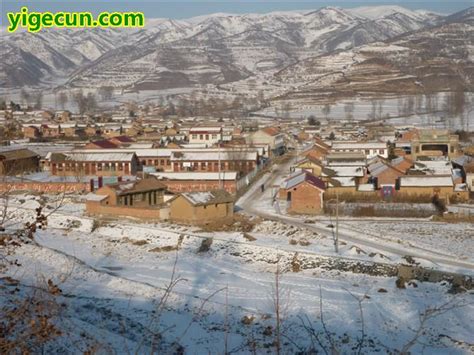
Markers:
149,199
362,171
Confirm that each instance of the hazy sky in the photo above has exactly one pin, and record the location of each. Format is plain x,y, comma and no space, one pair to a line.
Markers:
180,9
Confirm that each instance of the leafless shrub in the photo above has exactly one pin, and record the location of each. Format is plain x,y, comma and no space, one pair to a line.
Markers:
425,317
205,245
28,322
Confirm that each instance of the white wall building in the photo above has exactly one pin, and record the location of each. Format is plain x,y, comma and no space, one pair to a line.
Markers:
370,149
206,135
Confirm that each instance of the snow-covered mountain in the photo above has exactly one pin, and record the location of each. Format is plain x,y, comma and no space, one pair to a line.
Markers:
435,59
217,48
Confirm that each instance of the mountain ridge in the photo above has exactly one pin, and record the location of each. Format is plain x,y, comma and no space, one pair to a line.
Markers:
212,49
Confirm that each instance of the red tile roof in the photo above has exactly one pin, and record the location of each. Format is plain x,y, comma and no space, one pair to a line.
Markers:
271,131
123,139
104,144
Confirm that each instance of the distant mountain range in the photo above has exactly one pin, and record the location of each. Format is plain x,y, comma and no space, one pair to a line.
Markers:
429,60
214,49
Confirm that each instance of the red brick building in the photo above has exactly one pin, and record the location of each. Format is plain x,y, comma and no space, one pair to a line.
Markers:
140,199
31,132
303,193
242,162
197,181
18,161
102,144
93,164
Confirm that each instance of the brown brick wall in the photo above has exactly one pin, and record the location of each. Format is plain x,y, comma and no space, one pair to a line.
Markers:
442,192
95,208
305,199
388,177
183,212
203,185
46,187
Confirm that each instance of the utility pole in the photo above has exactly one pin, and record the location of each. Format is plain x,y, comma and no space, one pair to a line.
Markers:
336,240
219,162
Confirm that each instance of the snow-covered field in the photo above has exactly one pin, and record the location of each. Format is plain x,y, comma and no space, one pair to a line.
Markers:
390,113
454,239
113,277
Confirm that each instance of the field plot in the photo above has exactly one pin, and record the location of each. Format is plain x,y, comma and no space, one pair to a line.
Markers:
454,239
113,277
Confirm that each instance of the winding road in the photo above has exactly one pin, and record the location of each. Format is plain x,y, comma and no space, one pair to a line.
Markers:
248,201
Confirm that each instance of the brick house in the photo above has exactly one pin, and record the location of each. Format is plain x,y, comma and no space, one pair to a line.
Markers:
303,193
160,159
121,140
311,164
31,132
101,144
383,173
141,199
270,136
202,207
73,130
92,131
434,143
241,161
197,181
18,161
51,130
148,157
401,163
469,172
206,135
93,163
370,149
425,185
316,152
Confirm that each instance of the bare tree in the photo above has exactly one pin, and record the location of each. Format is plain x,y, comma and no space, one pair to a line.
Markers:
85,103
424,318
326,110
25,96
287,109
349,110
38,99
106,92
63,99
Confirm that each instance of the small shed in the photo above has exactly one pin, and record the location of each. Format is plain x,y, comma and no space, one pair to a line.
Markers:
202,207
303,192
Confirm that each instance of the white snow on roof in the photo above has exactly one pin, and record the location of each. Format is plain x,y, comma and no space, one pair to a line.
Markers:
139,151
198,197
345,181
366,187
141,146
460,187
93,197
358,145
426,181
206,156
167,152
343,171
99,156
435,167
230,175
205,129
293,179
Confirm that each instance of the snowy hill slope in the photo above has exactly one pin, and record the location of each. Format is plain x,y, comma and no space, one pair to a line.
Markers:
215,49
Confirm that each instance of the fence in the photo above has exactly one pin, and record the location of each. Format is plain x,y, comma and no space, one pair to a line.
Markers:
45,187
247,179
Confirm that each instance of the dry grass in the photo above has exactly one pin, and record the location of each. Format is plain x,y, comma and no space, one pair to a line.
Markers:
166,248
454,218
239,223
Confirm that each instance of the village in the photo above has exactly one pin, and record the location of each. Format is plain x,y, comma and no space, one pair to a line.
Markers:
121,207
193,170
